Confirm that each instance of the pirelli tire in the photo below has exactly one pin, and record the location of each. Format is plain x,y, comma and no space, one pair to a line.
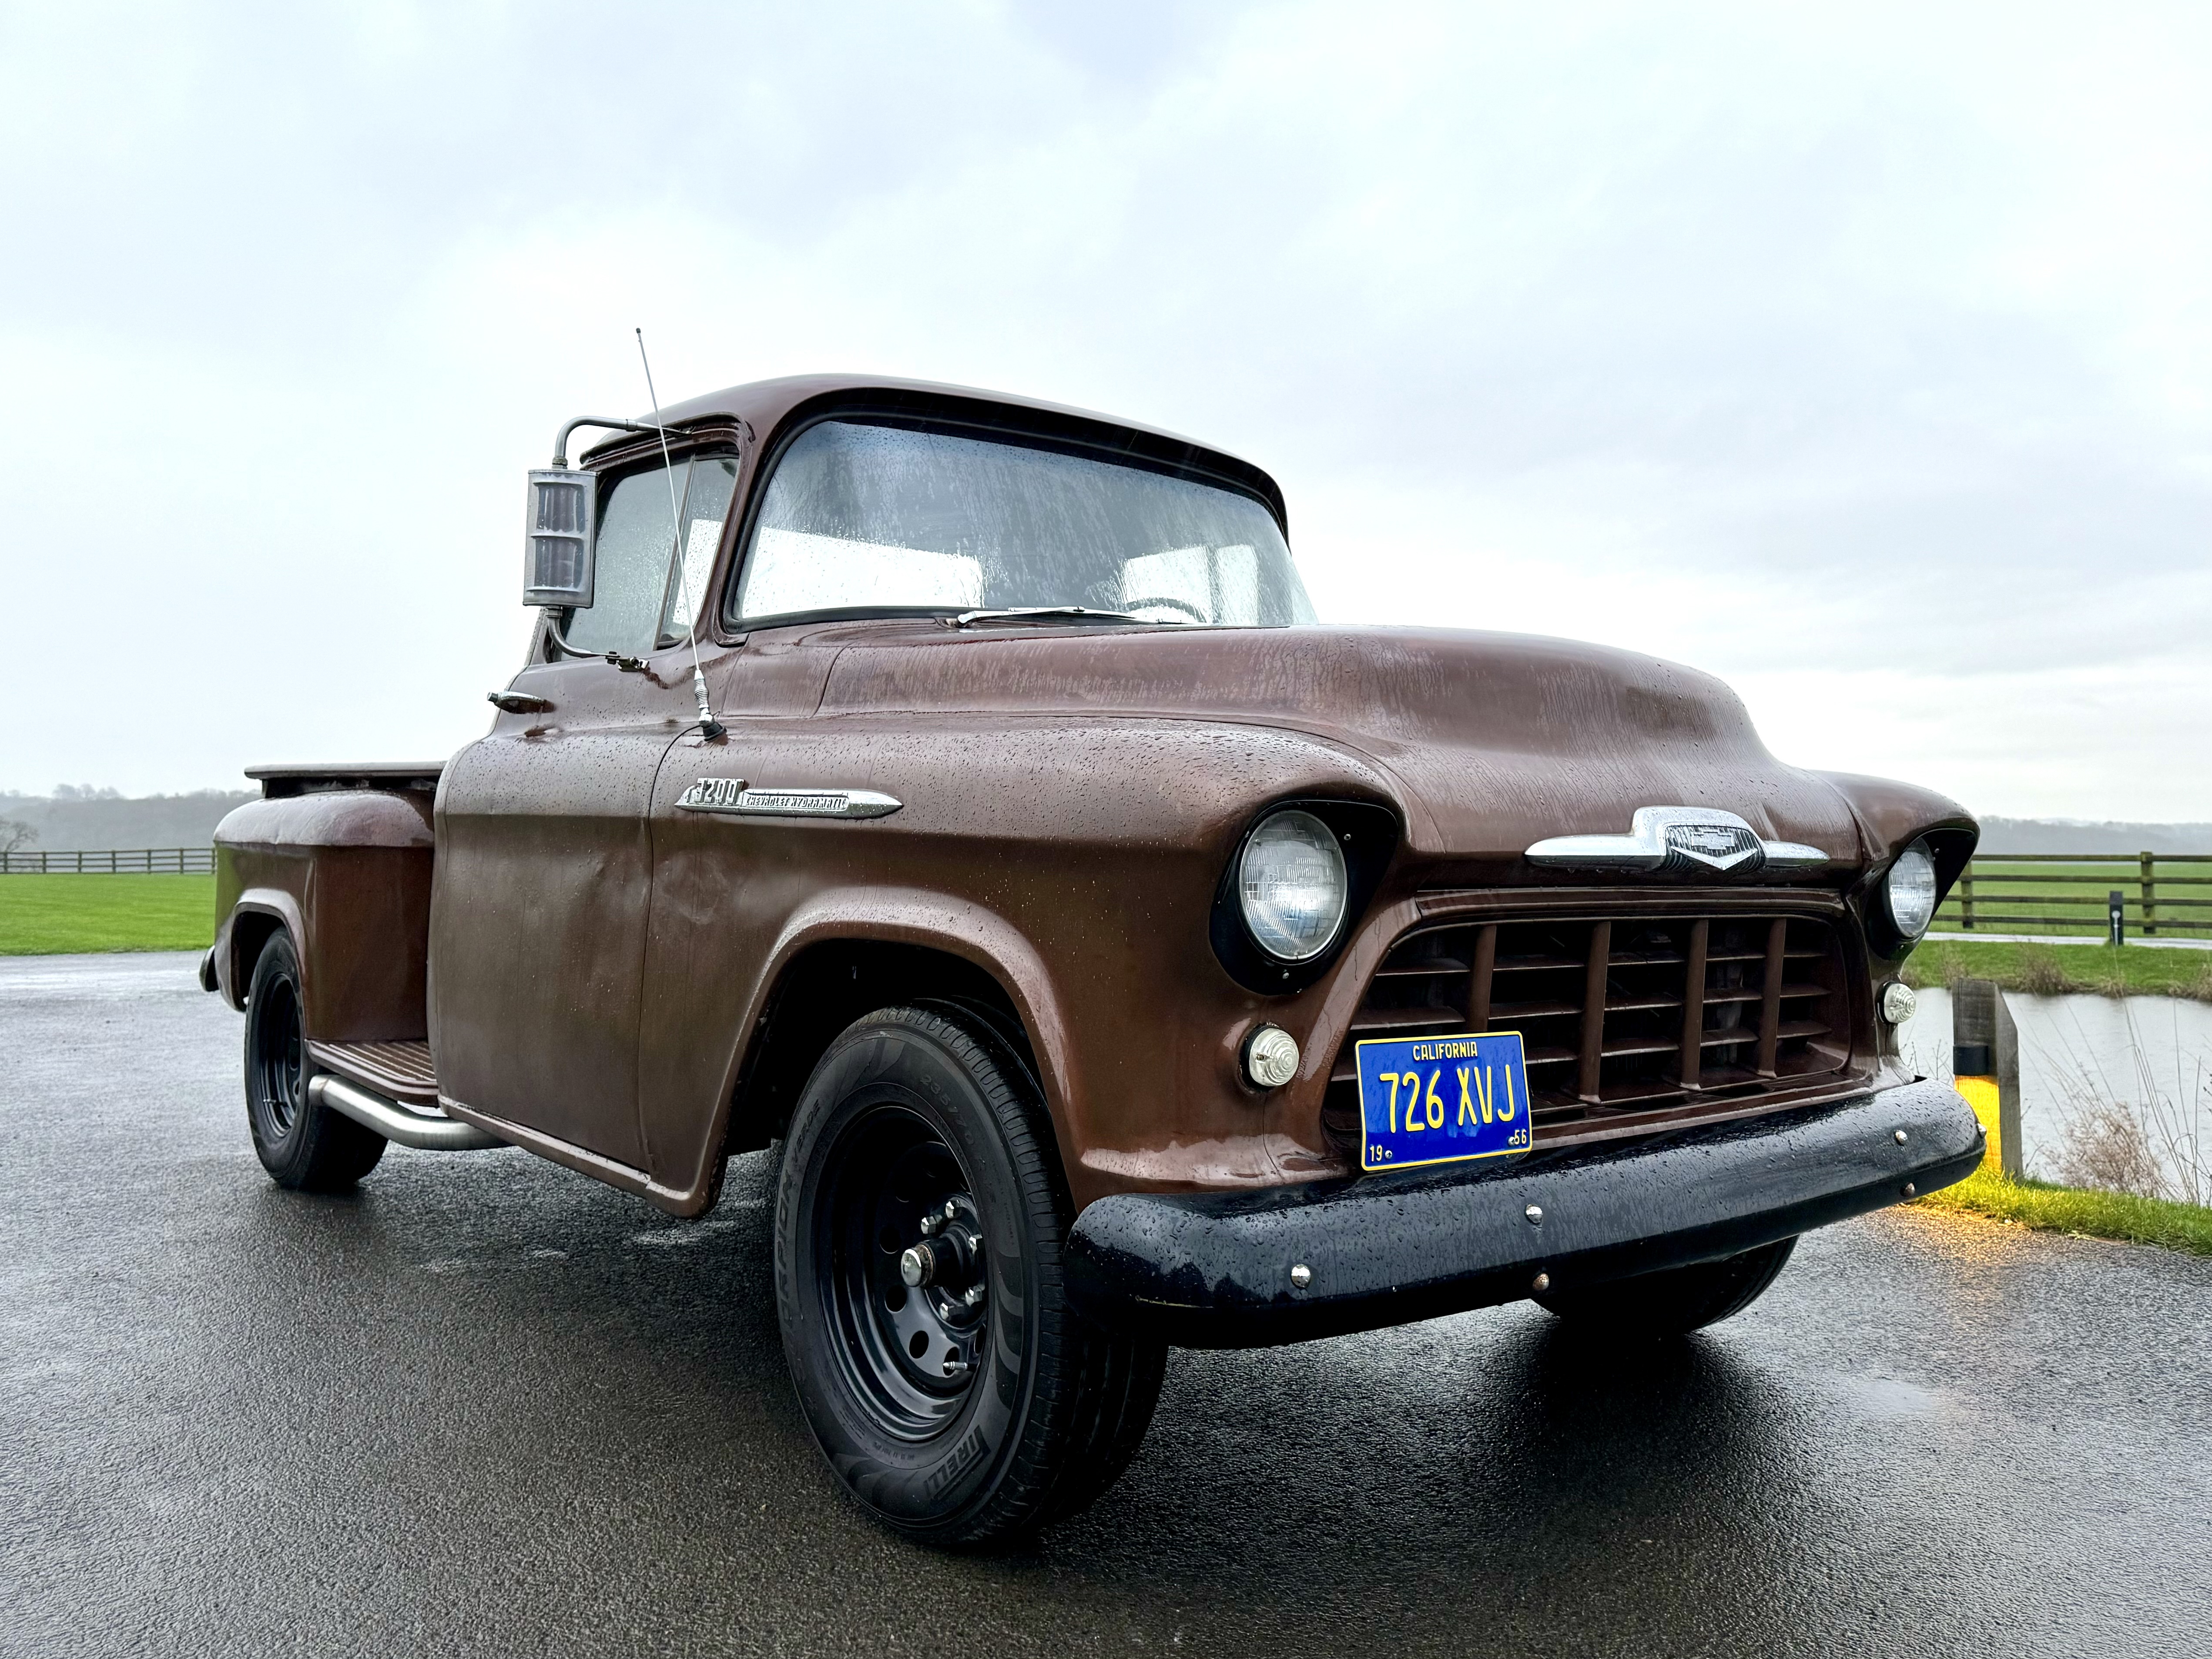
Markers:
303,1146
1673,1301
920,1217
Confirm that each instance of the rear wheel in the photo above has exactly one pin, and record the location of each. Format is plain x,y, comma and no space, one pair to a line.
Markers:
1669,1303
303,1146
919,1222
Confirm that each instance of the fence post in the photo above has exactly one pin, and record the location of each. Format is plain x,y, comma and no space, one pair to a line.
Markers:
1966,896
1985,1064
2150,896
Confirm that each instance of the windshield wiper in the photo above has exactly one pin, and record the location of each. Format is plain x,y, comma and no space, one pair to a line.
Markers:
1050,613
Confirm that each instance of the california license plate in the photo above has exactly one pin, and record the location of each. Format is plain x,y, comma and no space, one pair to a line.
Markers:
1442,1100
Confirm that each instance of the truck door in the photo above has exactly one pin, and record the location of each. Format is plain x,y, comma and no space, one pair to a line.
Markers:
544,878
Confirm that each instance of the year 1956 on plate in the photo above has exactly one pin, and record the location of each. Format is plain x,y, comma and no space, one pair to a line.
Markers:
1441,1099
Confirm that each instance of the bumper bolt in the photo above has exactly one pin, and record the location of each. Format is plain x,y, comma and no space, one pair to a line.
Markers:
1901,1137
1540,1284
1535,1214
1301,1276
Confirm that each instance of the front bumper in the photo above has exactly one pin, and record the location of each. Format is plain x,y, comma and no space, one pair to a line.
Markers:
1213,1270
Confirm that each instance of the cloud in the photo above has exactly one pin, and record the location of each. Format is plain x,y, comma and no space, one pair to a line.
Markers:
1864,358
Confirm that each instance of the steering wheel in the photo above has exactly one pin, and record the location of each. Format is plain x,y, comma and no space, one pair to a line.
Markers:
1183,606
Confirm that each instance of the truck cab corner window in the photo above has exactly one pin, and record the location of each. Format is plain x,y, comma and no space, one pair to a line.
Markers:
642,582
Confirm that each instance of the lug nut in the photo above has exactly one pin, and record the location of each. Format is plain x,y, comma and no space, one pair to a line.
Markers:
1901,1137
1535,1214
1909,1189
932,1261
1301,1276
1540,1284
972,1294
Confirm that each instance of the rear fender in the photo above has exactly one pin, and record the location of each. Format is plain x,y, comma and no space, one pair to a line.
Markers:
347,873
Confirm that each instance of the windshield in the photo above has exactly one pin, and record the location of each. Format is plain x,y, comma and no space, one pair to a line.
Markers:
860,517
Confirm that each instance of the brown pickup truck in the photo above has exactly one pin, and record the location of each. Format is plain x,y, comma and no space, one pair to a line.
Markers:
959,794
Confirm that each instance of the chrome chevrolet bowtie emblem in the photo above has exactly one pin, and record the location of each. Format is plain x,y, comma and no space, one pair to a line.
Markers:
1678,838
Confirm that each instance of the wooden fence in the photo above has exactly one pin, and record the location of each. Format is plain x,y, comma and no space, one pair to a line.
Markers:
2161,893
130,861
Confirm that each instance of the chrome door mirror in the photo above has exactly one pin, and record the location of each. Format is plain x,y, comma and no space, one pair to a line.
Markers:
560,538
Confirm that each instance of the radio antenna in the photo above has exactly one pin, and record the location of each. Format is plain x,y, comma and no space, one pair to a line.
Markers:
709,727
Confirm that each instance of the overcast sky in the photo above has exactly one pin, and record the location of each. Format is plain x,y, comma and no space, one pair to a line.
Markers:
1860,355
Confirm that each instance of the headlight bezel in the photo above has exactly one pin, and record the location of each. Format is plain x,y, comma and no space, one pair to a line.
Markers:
1366,837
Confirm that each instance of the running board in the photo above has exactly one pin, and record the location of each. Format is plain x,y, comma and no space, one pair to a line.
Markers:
430,1132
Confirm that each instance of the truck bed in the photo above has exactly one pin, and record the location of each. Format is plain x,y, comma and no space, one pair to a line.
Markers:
280,782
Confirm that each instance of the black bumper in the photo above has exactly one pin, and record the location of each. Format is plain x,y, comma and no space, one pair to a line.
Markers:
1213,1270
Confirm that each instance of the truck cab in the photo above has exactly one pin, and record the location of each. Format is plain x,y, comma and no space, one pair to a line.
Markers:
959,795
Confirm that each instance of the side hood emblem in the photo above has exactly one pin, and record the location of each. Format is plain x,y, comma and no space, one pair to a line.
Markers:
1694,839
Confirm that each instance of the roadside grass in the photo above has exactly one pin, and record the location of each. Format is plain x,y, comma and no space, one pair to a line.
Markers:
2051,1208
2056,969
55,916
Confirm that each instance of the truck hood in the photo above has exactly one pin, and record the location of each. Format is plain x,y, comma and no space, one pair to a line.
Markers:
1492,741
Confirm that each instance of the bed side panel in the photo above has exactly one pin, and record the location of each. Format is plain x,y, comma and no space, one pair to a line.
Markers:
349,872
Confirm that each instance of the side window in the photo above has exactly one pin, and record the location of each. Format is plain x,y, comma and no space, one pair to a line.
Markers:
639,593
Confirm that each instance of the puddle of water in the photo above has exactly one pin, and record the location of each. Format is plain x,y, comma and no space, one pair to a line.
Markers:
2074,1049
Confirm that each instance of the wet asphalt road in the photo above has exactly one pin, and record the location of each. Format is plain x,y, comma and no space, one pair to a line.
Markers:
489,1407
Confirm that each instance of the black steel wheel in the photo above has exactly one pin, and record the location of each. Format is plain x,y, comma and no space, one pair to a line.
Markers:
1673,1301
919,1221
303,1146
899,1270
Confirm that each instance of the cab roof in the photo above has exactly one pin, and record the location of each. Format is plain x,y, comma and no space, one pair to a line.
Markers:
770,407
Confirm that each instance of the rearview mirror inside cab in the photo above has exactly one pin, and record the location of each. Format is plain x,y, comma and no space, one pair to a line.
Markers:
559,538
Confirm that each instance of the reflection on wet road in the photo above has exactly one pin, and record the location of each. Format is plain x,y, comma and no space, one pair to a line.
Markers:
487,1406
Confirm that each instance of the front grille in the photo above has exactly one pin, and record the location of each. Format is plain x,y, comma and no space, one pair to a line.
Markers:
1620,1017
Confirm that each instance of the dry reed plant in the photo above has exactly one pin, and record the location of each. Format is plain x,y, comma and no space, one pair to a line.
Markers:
2041,973
2156,1141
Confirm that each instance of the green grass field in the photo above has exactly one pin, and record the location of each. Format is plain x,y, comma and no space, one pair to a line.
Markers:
2049,1208
2024,890
52,916
2059,969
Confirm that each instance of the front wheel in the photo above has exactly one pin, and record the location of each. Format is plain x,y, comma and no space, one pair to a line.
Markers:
303,1146
919,1221
1673,1301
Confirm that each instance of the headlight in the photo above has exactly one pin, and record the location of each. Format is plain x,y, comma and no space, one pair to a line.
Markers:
1909,890
1292,885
